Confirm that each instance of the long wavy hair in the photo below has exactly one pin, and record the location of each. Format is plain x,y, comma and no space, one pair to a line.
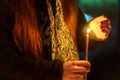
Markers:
26,32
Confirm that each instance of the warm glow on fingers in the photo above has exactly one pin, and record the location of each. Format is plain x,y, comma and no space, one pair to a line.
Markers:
95,26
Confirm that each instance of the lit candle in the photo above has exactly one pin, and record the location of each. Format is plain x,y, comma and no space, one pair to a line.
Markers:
87,43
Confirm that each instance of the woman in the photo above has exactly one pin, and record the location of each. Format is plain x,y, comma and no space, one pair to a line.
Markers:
27,50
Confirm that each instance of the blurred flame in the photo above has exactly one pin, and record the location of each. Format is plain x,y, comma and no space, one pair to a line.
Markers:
88,30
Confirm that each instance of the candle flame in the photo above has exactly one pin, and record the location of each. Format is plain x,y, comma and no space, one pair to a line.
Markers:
88,31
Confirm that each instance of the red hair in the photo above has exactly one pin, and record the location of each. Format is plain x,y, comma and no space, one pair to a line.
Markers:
26,33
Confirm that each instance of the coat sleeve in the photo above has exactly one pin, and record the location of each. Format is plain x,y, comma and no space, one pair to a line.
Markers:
17,65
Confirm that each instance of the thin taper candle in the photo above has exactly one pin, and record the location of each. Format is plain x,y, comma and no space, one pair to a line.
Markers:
87,42
87,45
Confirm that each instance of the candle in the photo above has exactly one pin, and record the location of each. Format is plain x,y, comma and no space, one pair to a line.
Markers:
87,43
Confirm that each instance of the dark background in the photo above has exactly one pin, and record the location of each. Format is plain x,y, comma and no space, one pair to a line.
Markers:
105,58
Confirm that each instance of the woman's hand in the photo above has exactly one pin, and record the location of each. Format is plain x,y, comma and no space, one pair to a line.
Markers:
74,70
100,27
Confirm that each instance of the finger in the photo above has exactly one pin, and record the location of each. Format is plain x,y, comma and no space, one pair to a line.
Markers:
81,69
76,77
82,63
79,74
101,18
105,26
